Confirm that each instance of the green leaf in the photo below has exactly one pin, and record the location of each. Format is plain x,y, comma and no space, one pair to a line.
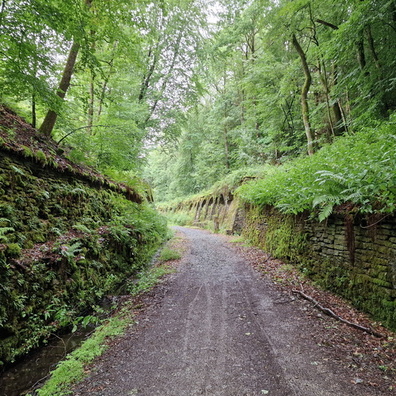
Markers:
325,212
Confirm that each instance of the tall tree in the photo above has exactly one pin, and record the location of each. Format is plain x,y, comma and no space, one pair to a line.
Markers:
304,95
50,119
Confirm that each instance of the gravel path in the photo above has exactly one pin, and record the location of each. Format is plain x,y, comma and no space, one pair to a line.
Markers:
218,328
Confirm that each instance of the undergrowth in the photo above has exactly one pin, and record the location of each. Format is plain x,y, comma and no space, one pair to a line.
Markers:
180,218
72,369
65,245
147,279
357,169
168,254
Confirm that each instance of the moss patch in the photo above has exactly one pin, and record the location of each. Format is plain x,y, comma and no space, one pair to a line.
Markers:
64,244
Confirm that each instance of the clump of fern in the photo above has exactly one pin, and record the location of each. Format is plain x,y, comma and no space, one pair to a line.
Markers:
357,169
4,229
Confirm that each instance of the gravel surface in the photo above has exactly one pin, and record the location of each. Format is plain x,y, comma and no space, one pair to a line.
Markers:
217,327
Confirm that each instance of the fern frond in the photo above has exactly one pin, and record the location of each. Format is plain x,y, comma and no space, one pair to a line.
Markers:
3,231
325,212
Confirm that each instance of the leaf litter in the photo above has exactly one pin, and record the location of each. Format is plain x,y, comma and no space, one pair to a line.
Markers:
371,360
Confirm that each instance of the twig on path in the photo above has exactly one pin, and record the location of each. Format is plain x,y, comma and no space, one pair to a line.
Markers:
331,313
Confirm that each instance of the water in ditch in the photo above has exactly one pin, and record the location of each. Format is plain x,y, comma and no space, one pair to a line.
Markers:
24,376
28,374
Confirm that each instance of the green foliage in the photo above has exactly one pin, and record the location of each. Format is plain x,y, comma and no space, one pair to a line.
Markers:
356,169
148,278
179,218
85,241
250,112
13,250
40,156
83,228
71,370
3,232
70,251
234,179
168,254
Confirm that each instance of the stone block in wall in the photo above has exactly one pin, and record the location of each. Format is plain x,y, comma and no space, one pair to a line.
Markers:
339,247
381,249
387,243
316,248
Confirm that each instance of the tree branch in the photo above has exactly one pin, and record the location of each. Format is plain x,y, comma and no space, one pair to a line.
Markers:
331,313
334,27
83,127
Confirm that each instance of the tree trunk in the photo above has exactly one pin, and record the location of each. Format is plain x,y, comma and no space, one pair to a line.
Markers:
166,77
91,104
147,77
226,148
34,117
340,125
337,110
371,45
361,56
325,83
3,4
50,119
106,81
304,96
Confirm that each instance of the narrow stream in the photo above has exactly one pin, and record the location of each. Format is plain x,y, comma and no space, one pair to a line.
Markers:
22,377
25,376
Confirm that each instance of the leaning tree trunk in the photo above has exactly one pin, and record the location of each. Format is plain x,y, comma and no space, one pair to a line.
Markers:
304,96
50,119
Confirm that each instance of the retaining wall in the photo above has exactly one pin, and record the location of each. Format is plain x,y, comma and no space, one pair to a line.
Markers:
352,255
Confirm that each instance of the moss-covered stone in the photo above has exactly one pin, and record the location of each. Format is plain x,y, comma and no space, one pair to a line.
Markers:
13,250
65,244
366,277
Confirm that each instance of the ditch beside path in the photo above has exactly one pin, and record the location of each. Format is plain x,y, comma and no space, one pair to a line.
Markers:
217,327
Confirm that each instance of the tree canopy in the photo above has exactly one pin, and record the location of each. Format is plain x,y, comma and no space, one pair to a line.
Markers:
185,92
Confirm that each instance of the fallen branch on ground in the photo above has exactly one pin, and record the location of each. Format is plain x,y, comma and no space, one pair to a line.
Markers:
331,313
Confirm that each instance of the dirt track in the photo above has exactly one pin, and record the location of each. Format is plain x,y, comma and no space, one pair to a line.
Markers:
218,328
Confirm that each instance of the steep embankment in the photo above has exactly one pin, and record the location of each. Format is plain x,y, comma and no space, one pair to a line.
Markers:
68,236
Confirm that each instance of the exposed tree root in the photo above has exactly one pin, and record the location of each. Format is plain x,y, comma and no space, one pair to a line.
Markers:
331,313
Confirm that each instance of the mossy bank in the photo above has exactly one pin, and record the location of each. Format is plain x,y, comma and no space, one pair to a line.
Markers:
65,242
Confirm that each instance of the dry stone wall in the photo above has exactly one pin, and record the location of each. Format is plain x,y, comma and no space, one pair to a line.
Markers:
352,255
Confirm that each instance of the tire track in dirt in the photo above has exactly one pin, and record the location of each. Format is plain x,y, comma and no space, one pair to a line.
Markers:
222,330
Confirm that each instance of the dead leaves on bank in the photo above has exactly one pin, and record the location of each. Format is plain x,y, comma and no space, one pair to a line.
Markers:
371,358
